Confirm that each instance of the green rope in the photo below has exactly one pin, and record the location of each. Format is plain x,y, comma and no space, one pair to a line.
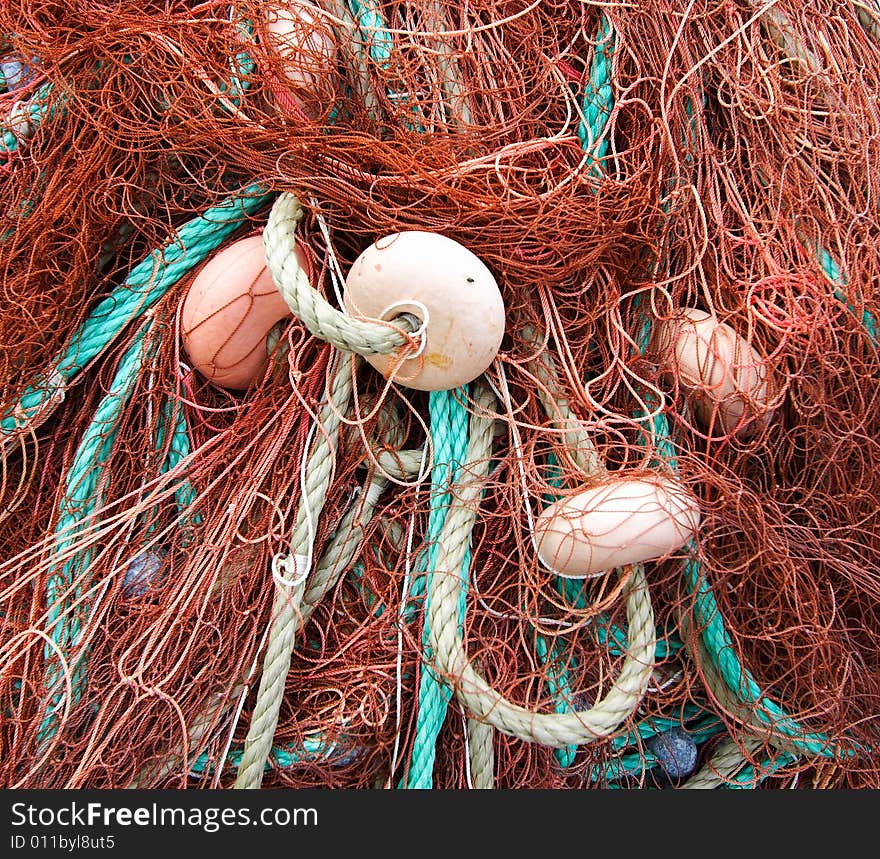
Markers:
701,726
747,778
311,750
449,434
81,498
598,98
597,104
145,285
739,679
837,277
714,634
373,30
174,416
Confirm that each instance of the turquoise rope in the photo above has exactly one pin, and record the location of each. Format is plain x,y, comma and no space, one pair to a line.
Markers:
597,103
597,106
715,637
312,749
836,276
737,678
145,285
747,778
372,29
714,634
700,727
449,433
148,282
174,415
81,499
598,98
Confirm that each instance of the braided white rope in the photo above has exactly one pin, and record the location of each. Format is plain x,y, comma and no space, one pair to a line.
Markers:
481,754
287,610
726,761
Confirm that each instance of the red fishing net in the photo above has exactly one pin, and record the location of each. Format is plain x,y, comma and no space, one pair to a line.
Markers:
737,176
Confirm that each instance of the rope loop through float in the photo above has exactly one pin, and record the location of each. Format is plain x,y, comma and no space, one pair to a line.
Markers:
449,661
347,333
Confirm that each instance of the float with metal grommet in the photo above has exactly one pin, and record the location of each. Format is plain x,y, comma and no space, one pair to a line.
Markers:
448,289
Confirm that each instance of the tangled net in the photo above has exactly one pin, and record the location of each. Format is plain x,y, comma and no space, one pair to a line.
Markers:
611,165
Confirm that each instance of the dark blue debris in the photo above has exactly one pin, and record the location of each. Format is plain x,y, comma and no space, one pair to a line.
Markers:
676,752
142,571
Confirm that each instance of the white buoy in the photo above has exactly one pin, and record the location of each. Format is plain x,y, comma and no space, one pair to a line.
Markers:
723,377
618,522
417,272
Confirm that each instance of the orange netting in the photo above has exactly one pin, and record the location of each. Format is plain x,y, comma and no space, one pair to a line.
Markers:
739,178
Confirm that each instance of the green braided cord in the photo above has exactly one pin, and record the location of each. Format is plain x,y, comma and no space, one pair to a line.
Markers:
737,678
372,26
312,749
597,104
449,433
598,98
700,724
747,778
700,728
145,285
836,276
241,65
174,415
613,637
714,633
81,498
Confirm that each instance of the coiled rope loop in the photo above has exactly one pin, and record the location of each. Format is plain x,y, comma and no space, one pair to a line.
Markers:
361,336
451,660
